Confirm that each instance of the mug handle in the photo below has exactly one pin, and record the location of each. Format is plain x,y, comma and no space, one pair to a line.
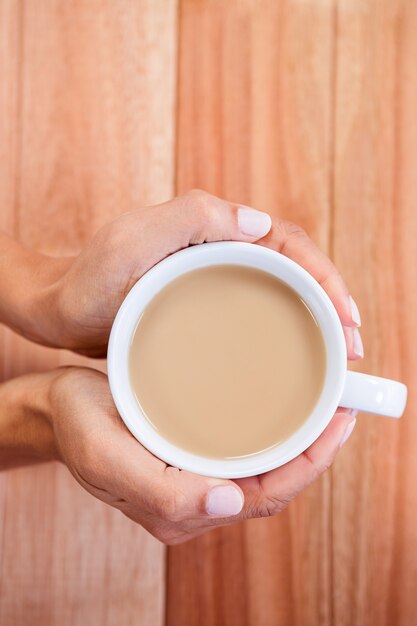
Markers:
373,394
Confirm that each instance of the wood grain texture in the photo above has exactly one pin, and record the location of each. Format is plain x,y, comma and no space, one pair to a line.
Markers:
87,119
255,125
308,109
375,205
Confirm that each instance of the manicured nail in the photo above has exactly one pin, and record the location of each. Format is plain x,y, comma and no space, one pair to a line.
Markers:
357,343
253,223
354,311
348,432
224,501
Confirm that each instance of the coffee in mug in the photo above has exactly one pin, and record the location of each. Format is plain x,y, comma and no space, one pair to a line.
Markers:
227,361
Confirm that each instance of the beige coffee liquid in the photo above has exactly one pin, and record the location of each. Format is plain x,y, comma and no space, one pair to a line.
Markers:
227,361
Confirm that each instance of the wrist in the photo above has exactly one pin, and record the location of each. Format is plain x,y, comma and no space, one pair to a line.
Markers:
45,323
29,291
26,420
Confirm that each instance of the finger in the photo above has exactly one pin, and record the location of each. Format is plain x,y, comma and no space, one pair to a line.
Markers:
193,218
303,470
277,488
168,532
291,240
201,217
354,345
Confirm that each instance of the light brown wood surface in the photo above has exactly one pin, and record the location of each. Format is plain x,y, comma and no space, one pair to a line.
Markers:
87,110
306,109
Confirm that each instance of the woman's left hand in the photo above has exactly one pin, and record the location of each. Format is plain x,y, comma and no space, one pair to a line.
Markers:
173,505
81,303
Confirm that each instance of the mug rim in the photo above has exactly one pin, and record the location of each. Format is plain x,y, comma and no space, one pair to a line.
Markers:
226,253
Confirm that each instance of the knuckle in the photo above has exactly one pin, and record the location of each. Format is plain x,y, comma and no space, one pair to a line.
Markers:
318,468
198,195
323,468
111,235
203,210
173,506
208,215
204,203
289,232
269,505
290,229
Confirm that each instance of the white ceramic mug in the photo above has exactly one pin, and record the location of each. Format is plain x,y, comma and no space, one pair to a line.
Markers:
341,387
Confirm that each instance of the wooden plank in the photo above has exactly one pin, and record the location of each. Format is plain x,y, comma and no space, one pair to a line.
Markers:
374,496
255,126
87,103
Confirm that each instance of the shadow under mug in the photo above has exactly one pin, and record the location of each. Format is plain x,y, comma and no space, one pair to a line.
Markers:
341,387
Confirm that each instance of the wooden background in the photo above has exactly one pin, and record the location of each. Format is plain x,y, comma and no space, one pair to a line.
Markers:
306,109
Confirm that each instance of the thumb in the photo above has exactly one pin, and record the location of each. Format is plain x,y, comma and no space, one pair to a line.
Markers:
169,493
192,496
202,217
193,218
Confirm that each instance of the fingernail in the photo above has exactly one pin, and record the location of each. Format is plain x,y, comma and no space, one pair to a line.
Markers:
357,343
348,432
353,412
354,311
253,223
224,501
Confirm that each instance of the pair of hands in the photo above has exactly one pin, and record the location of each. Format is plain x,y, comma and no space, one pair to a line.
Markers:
71,303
